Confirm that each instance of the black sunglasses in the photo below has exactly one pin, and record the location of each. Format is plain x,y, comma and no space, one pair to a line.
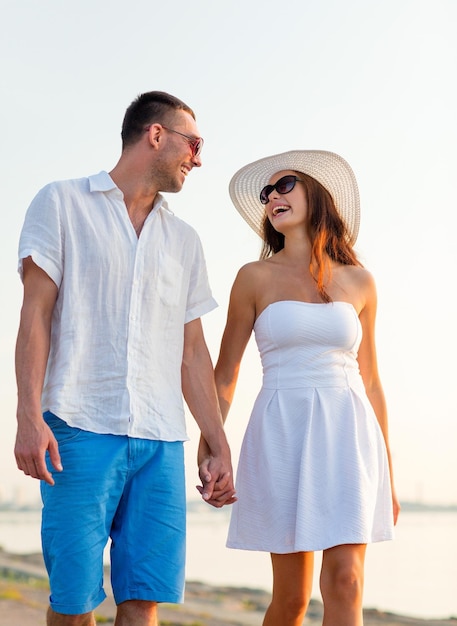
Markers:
284,185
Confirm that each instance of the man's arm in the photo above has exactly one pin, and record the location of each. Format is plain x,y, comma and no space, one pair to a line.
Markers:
200,394
34,437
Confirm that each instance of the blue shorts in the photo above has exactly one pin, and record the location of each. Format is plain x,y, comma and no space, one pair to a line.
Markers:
129,489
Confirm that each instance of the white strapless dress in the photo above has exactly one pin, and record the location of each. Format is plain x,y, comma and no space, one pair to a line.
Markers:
313,470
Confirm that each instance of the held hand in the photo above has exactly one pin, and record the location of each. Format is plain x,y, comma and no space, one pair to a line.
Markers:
217,482
30,450
220,495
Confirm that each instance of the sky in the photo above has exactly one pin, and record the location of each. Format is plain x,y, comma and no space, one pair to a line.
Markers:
372,81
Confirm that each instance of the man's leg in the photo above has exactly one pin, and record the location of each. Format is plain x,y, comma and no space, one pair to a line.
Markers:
58,619
149,528
76,520
138,612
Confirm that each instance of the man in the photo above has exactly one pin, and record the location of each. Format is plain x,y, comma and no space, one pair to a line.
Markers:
110,338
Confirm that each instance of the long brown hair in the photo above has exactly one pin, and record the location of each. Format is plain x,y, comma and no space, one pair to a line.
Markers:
326,230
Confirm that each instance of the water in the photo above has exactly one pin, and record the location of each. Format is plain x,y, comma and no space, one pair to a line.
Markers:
414,575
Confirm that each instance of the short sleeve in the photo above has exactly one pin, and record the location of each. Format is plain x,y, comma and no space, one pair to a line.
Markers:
200,299
41,236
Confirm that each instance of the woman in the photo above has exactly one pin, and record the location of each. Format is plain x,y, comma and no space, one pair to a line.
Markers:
314,470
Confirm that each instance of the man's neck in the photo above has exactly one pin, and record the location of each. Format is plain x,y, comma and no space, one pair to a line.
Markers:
139,196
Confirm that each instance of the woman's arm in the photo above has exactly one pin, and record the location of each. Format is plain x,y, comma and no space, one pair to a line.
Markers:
240,321
368,365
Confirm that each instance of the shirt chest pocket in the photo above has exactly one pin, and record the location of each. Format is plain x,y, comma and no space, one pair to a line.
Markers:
169,280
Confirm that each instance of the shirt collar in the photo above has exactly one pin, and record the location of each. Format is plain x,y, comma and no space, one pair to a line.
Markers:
103,182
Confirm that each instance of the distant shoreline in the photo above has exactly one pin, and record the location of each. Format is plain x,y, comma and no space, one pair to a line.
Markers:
24,598
195,505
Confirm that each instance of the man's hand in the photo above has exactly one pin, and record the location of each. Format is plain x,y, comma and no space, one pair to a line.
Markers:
30,450
217,486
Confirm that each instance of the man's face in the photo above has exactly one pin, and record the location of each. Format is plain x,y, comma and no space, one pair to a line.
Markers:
176,158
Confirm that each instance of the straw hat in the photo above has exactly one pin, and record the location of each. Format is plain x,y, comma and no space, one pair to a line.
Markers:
328,168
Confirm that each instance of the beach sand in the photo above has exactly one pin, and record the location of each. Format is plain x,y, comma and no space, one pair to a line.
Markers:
24,599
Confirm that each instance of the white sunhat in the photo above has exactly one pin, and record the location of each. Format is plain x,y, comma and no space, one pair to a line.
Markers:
328,168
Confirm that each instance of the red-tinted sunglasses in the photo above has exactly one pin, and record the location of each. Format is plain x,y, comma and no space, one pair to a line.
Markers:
195,143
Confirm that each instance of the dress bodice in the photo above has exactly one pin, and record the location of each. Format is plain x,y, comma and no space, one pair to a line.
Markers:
305,344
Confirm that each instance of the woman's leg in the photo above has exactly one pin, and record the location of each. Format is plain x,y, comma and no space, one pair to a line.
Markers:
292,586
342,585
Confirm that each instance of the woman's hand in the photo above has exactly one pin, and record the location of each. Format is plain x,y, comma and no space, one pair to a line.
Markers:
219,492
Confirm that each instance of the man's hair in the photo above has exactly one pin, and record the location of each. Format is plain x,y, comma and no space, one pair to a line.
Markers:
148,108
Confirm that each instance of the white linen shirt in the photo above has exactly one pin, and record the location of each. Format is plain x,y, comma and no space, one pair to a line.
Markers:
117,330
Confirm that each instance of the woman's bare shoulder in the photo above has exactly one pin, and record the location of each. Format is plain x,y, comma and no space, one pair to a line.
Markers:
358,276
253,270
250,280
355,284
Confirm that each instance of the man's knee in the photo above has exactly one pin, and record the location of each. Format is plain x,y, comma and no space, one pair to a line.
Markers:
141,612
59,619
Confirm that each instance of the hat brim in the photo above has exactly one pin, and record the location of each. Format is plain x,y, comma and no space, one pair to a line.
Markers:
328,168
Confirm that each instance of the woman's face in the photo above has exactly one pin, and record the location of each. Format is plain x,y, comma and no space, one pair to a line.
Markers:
285,201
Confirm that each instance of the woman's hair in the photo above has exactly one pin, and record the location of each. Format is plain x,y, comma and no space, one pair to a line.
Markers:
326,230
147,108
